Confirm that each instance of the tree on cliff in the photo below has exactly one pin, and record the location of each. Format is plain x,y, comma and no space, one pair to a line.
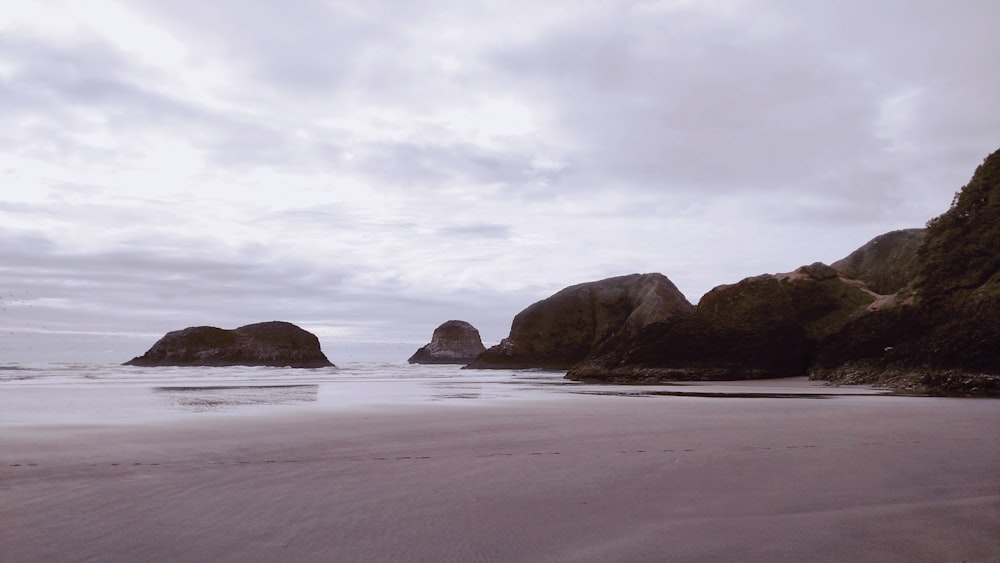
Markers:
959,285
962,247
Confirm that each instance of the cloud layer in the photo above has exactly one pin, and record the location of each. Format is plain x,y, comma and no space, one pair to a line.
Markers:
370,171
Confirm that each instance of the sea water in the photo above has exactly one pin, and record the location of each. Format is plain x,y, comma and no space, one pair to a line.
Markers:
81,393
90,393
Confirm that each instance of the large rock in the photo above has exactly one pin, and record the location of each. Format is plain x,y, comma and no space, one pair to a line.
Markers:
887,263
454,342
560,331
764,326
274,343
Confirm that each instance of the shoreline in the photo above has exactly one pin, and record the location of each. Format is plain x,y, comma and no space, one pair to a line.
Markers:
583,478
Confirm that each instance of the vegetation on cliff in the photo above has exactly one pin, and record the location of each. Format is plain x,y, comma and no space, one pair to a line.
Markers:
887,263
941,334
959,283
961,252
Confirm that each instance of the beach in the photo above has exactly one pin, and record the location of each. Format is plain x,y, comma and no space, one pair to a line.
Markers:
562,478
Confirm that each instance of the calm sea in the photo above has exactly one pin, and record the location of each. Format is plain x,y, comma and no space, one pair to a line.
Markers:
95,393
80,393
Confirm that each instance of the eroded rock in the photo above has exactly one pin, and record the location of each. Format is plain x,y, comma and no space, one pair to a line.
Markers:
567,327
763,326
274,343
454,342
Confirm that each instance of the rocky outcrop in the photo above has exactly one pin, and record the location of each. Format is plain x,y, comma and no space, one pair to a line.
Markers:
274,343
454,342
764,326
887,263
566,328
943,333
928,322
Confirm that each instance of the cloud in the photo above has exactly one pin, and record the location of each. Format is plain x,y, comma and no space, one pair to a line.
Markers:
374,169
481,230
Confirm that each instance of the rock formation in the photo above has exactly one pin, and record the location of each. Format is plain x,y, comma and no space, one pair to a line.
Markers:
454,342
560,331
764,326
929,321
274,343
887,263
943,334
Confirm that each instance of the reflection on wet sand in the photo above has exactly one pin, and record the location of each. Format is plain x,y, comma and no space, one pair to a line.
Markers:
207,398
734,395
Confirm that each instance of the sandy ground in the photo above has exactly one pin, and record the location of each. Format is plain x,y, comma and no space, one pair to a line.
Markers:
575,479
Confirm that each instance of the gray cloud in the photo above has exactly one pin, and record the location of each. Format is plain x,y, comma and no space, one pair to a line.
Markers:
479,230
144,291
378,168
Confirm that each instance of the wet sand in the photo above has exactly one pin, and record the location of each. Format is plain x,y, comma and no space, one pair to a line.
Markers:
582,478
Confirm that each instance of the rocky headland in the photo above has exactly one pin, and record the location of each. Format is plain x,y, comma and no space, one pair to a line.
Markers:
915,309
941,332
454,342
274,343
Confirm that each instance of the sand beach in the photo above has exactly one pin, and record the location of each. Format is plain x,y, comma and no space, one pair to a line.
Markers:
567,478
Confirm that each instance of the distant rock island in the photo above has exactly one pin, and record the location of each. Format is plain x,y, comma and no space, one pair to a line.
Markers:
916,309
274,343
454,342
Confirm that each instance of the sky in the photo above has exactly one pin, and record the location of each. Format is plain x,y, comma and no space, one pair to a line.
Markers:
369,170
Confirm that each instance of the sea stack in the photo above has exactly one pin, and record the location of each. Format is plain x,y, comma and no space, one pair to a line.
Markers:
274,343
454,342
581,320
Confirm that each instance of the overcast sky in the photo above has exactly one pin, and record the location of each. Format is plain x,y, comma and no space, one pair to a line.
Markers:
369,170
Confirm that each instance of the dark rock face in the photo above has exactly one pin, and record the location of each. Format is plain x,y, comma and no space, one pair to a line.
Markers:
764,326
887,263
454,342
272,343
560,331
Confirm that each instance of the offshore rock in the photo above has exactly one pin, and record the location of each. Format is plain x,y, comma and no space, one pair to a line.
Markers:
567,327
763,326
887,263
274,343
454,342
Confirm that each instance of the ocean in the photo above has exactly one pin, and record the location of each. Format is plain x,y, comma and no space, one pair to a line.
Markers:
34,393
82,393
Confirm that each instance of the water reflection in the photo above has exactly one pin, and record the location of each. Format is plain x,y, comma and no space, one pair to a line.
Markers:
210,398
711,394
